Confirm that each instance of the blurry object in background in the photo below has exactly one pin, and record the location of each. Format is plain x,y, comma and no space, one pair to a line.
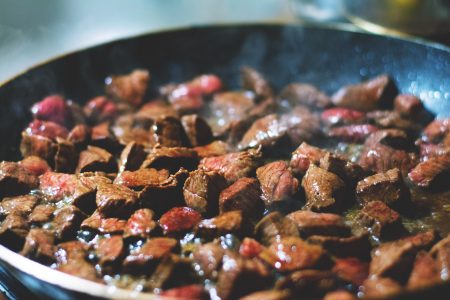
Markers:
420,17
318,10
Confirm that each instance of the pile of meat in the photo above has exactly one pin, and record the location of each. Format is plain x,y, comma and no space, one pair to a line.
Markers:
231,194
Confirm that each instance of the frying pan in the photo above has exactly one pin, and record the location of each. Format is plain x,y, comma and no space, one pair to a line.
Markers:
326,57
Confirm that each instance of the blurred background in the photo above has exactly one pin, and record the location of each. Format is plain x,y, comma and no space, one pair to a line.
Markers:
33,31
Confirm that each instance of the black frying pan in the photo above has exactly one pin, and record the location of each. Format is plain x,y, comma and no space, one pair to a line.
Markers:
327,58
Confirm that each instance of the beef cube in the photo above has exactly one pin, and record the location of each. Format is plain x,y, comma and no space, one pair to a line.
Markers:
351,270
305,94
155,108
254,81
145,258
350,172
192,291
431,173
311,223
387,187
244,195
324,190
115,200
67,221
302,125
80,268
393,119
209,257
73,251
179,220
129,88
273,227
311,284
288,254
216,148
267,132
97,223
96,159
342,116
352,133
303,156
56,186
239,277
42,213
35,165
110,251
277,181
269,295
441,252
168,132
15,179
140,224
198,131
428,151
65,157
52,108
233,222
357,246
85,191
100,109
40,246
340,295
132,157
250,248
408,105
141,178
381,221
13,231
365,96
46,129
101,136
233,166
379,287
202,189
36,145
436,130
424,273
21,204
171,159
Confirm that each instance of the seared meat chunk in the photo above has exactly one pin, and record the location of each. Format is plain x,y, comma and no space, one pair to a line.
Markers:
277,181
365,96
436,130
96,159
15,179
273,227
139,179
340,295
179,220
13,231
79,136
425,271
20,204
380,287
36,145
250,248
209,257
42,213
39,246
254,81
311,284
168,132
353,246
244,195
202,189
56,186
115,200
35,165
341,116
97,223
52,108
408,105
171,159
350,172
324,190
393,119
431,172
312,223
269,295
140,224
192,291
66,156
441,252
304,94
132,157
234,222
352,133
351,270
198,131
302,125
215,148
233,166
67,221
387,187
267,131
110,251
102,136
129,88
303,156
100,109
48,129
72,251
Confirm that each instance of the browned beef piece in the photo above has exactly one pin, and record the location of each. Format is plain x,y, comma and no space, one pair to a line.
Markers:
342,116
340,295
47,129
234,222
436,130
250,248
383,150
351,270
302,125
85,190
380,287
179,220
267,131
312,223
395,259
66,157
110,251
56,186
277,181
80,268
40,246
209,257
67,221
202,189
274,226
350,172
128,129
36,145
171,159
15,179
310,284
101,136
192,291
156,108
169,132
356,133
215,148
408,105
96,159
140,224
100,109
132,157
145,258
355,246
114,200
239,277
365,96
425,272
305,94
233,166
432,172
387,187
428,151
13,231
269,295
20,204
52,108
141,178
35,165
198,131
303,156
291,253
129,88
42,213
245,195
324,190
254,81
441,252
96,222
71,251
